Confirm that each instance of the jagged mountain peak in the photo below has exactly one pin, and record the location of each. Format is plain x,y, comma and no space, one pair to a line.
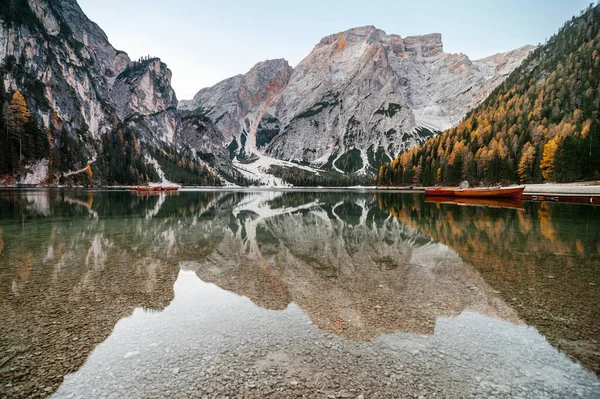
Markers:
355,34
262,73
424,45
358,98
276,63
264,80
232,103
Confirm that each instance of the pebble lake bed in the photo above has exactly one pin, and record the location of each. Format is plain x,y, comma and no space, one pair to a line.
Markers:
295,293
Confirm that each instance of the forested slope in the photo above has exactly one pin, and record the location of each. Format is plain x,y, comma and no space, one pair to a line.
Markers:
541,124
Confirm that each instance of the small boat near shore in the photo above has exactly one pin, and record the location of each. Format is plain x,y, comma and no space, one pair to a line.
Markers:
487,192
154,188
440,192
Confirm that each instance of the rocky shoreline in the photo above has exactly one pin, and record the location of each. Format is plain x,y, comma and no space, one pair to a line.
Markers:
588,188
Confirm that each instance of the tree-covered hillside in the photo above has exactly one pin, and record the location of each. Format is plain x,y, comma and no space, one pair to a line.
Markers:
541,124
120,159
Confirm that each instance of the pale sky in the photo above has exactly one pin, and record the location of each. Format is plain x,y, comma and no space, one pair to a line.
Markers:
204,42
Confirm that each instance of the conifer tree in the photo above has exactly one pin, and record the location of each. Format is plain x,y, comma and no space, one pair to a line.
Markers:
542,122
18,117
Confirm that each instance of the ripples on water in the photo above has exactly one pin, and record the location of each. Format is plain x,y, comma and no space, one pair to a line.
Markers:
284,294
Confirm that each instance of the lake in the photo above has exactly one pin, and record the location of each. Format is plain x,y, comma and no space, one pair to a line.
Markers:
325,294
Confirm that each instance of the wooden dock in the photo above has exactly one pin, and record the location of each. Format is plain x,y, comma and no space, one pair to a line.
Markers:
573,198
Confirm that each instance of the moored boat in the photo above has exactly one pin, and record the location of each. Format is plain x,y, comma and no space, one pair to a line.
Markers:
440,192
487,192
490,192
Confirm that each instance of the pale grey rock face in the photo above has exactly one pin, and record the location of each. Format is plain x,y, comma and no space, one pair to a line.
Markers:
67,76
496,68
358,99
144,98
235,103
201,135
362,97
80,81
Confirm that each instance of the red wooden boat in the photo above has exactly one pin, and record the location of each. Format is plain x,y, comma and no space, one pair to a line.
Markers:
440,192
490,192
170,188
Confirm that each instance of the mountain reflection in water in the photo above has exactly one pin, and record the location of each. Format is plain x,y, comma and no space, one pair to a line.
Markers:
359,266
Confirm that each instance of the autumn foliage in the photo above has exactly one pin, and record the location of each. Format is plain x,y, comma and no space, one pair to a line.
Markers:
22,138
542,123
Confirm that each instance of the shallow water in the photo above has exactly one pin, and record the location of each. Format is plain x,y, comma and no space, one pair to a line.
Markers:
296,294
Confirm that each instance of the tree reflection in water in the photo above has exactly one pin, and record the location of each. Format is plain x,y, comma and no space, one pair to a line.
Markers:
359,265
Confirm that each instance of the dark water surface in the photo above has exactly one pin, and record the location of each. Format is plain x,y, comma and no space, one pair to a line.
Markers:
296,294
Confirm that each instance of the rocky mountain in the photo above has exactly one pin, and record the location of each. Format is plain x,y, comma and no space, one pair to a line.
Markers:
68,70
73,80
358,99
143,96
235,104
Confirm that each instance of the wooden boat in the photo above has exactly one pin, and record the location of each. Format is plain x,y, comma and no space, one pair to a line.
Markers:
440,192
154,188
490,192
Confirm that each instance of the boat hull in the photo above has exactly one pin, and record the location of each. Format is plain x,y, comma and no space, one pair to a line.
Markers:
500,192
440,192
492,192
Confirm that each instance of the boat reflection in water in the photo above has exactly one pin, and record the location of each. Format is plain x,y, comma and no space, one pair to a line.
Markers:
283,293
489,202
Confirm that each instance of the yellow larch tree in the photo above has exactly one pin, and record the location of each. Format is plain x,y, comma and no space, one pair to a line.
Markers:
548,158
19,116
18,109
526,163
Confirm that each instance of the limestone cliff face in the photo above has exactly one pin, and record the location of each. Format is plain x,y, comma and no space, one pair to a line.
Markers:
73,77
360,97
367,95
144,97
62,62
237,104
200,133
357,100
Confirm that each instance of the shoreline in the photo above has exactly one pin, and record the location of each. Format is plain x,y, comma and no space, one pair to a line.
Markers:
547,189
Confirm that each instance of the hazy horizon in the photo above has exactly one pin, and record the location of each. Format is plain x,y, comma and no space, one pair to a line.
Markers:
204,43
